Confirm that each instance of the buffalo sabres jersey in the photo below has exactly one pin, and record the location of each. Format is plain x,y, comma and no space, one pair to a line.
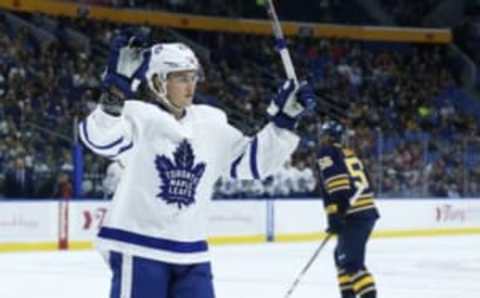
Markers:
170,166
342,174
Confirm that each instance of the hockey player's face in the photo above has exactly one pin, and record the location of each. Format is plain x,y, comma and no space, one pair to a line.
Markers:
181,88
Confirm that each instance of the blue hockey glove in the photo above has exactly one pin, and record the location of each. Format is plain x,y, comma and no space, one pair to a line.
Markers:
290,103
126,65
336,221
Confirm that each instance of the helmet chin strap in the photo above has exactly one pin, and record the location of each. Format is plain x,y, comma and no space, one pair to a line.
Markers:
162,98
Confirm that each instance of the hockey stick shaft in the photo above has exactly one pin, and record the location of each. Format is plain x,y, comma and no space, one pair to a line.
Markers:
281,46
307,266
281,43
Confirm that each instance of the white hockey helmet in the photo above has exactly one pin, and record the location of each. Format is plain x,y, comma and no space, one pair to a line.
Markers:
167,58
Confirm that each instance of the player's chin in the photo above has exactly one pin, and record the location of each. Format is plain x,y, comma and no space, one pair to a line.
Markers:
188,101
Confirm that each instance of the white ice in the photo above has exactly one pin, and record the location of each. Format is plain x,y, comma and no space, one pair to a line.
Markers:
444,267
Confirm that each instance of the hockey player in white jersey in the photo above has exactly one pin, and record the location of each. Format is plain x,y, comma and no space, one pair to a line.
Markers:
173,151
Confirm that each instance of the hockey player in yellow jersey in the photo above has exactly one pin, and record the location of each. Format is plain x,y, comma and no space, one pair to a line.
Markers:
350,208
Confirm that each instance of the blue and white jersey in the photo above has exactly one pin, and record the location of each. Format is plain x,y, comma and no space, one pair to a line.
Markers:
159,210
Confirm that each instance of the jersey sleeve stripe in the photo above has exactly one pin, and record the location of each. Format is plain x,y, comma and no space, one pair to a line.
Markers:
84,131
125,148
332,190
363,202
121,150
338,182
253,159
341,176
234,166
151,242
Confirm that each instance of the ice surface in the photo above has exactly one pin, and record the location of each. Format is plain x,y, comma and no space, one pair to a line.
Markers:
443,267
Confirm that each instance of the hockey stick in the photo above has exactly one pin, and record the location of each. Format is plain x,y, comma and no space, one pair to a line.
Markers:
307,266
281,42
360,188
281,45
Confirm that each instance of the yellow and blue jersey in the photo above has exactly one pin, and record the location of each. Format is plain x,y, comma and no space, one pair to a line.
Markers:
342,174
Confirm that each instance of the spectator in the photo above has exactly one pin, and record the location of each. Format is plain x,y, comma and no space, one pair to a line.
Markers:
19,180
63,188
397,95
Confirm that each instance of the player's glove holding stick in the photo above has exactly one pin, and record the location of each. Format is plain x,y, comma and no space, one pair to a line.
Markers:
290,103
336,222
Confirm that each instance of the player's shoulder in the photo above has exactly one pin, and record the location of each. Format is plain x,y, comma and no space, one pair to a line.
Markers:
331,159
144,109
331,150
209,112
347,152
135,105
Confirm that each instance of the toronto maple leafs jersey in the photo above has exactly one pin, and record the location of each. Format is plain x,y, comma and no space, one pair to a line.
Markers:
170,166
340,169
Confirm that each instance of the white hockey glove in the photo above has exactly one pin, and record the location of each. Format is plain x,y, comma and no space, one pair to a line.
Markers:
290,103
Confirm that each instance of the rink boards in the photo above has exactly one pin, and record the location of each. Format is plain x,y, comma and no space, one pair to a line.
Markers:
27,225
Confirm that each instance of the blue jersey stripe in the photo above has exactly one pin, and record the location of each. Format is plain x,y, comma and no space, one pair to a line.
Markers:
83,127
233,167
151,242
116,265
125,148
253,159
121,150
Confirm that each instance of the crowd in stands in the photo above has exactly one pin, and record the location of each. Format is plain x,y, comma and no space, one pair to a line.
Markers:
205,7
415,139
323,11
403,13
44,88
408,13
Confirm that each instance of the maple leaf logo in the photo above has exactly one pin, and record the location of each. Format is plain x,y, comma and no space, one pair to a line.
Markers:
179,177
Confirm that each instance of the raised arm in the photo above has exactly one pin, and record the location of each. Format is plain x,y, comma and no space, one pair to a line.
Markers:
105,131
106,135
262,155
